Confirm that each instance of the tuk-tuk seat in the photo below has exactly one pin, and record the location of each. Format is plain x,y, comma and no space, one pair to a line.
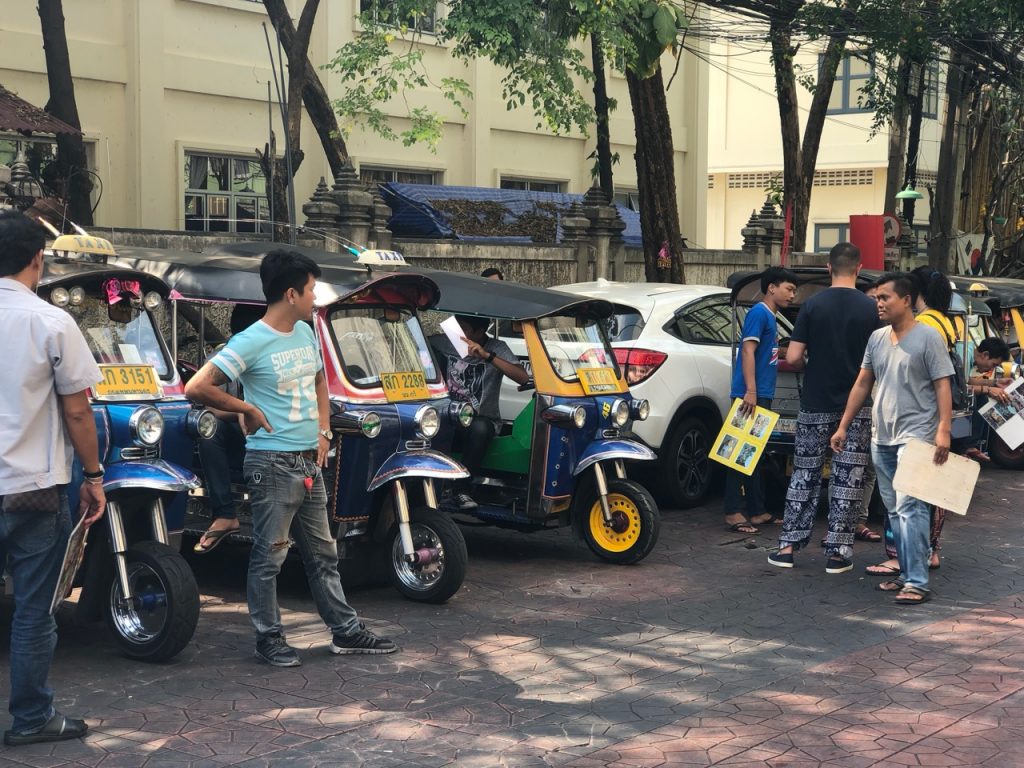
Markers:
512,452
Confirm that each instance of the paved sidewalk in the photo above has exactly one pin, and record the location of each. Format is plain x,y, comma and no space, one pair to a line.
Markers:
702,655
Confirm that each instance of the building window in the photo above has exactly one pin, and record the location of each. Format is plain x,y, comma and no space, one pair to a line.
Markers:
847,91
627,198
371,175
38,153
930,99
225,193
383,11
531,185
923,233
828,235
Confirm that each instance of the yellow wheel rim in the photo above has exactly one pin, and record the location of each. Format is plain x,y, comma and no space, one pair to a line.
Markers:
604,535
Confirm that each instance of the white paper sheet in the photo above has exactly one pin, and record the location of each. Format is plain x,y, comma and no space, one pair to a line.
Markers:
454,332
949,485
1007,419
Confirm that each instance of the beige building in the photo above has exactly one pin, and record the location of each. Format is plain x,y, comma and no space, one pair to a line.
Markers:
745,147
173,101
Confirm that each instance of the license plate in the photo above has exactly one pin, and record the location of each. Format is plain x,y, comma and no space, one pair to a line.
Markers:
598,381
127,381
785,426
401,386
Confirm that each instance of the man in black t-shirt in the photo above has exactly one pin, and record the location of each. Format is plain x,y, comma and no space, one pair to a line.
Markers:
833,328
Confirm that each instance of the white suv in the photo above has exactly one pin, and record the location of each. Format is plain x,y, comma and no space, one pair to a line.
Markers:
674,343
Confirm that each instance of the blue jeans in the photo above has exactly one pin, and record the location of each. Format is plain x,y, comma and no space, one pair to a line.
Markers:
909,519
34,542
219,456
742,491
278,496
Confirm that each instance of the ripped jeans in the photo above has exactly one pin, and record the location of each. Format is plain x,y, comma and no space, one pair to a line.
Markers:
278,497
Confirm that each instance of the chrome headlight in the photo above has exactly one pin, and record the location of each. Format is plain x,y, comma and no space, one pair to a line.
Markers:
619,414
151,301
201,423
146,425
60,297
370,424
641,409
366,423
427,422
76,295
565,416
462,413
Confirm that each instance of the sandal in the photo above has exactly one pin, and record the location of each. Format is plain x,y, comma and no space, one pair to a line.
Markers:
912,596
743,527
881,569
772,520
213,536
866,534
893,585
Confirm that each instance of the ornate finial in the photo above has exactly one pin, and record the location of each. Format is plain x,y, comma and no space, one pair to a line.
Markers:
768,210
595,196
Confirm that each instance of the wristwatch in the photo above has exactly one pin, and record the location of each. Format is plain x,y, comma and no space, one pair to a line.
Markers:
326,434
490,357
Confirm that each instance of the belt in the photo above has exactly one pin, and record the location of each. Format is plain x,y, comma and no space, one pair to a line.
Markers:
307,454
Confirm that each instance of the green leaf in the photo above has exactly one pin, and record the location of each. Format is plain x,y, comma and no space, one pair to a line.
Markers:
665,26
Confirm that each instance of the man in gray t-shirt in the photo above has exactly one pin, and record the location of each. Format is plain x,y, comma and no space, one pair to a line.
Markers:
913,400
476,379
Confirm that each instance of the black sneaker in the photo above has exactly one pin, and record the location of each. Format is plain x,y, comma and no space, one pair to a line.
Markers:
780,560
463,501
362,641
276,652
837,564
57,728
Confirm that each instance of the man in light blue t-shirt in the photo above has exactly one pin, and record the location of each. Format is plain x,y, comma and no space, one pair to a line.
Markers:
286,414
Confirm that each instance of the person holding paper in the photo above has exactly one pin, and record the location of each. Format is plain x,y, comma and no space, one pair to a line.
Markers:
44,414
913,399
989,357
753,381
832,330
474,376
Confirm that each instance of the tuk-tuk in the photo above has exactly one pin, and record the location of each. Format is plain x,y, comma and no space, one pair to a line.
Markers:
535,474
146,427
389,404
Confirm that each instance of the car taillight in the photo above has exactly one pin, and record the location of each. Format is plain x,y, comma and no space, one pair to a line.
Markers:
639,364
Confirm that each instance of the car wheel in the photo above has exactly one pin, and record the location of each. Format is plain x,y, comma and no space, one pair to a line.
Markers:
686,466
1003,456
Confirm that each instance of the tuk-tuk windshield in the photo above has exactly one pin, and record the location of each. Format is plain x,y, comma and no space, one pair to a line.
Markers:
119,334
376,340
574,343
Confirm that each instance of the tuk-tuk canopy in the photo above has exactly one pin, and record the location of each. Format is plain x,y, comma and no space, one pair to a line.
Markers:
1003,292
236,278
746,286
461,293
59,272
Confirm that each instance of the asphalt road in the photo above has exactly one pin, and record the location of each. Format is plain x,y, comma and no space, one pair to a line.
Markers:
701,655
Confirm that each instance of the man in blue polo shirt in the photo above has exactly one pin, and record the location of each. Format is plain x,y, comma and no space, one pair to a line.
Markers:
287,422
753,381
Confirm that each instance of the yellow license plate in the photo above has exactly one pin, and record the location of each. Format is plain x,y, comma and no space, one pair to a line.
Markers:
400,386
127,380
598,381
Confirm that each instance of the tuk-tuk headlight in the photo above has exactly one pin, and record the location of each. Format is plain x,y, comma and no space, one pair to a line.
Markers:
461,413
366,423
151,301
619,413
146,425
565,416
428,423
76,295
370,424
641,409
60,297
201,423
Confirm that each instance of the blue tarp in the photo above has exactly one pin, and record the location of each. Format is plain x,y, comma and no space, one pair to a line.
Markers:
413,215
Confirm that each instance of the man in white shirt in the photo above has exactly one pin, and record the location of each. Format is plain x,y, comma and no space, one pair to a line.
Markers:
44,413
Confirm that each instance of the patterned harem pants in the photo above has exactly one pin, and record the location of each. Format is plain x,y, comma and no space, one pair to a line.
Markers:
846,485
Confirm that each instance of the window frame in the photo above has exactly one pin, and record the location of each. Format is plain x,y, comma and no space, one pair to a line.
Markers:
845,80
930,97
530,182
366,6
843,232
394,171
261,202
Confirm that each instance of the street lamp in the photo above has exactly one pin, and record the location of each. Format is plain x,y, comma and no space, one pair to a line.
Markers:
909,196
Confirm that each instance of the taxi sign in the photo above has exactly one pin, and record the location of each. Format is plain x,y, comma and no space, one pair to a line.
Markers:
379,258
401,386
127,381
69,245
598,381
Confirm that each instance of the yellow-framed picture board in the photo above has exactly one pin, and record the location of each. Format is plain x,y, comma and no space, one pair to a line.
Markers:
743,437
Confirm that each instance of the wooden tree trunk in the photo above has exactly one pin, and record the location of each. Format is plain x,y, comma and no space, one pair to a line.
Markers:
944,202
913,142
897,150
659,212
72,163
602,135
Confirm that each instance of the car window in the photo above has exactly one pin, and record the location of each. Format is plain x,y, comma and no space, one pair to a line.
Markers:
709,321
625,325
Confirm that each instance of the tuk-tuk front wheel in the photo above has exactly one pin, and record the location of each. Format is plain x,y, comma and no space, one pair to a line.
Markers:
440,567
162,616
633,530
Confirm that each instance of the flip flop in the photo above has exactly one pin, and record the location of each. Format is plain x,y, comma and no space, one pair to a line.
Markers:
912,596
890,586
866,534
882,570
773,520
738,528
214,537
